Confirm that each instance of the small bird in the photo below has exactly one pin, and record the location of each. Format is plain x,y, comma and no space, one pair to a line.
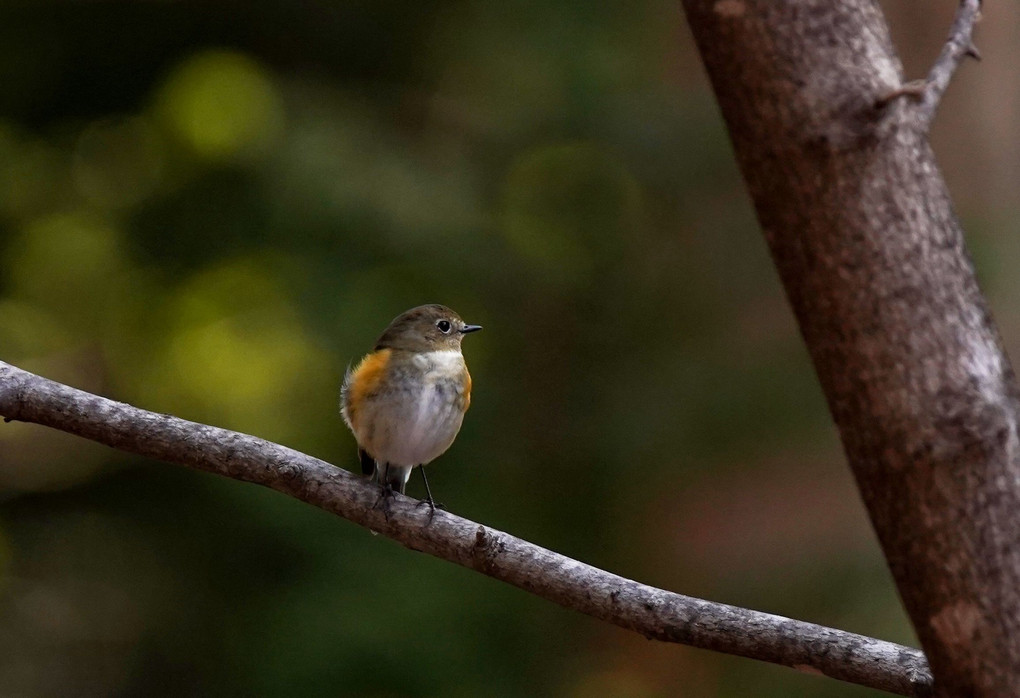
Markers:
406,400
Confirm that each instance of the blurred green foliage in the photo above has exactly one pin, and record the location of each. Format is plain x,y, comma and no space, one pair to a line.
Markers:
209,209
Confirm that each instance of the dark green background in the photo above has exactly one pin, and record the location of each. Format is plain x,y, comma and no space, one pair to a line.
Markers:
210,208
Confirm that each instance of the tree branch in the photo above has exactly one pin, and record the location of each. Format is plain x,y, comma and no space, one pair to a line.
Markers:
959,45
654,613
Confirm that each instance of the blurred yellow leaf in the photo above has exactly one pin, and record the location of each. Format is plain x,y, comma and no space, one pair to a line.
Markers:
220,103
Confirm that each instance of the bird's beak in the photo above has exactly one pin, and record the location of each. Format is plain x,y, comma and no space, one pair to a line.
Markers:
470,328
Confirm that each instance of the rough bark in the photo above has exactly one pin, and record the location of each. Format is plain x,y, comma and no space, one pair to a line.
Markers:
654,613
861,228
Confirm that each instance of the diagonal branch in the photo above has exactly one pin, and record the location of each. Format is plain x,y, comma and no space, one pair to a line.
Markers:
959,45
654,613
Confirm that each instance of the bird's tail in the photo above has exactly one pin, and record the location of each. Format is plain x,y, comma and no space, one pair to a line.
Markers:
396,476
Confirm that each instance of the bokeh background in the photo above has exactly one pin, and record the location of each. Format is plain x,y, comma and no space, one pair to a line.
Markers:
209,208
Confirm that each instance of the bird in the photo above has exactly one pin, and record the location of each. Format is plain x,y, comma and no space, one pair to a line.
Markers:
405,400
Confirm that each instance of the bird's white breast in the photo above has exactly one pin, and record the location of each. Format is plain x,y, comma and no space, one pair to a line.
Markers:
423,424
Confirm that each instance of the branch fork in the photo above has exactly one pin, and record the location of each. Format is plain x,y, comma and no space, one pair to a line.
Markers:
959,45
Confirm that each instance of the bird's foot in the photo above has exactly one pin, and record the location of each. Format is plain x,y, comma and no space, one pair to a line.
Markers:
433,505
384,500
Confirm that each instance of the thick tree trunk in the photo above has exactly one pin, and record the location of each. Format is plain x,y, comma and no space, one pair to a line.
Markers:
862,231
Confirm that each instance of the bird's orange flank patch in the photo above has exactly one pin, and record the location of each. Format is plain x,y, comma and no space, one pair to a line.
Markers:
364,381
467,389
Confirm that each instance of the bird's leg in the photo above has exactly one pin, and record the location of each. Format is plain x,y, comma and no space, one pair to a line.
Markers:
387,490
428,496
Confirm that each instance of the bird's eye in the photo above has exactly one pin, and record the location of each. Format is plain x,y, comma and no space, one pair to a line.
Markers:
444,326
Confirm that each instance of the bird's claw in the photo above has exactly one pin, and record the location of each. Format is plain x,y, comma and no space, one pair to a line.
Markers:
384,500
432,505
